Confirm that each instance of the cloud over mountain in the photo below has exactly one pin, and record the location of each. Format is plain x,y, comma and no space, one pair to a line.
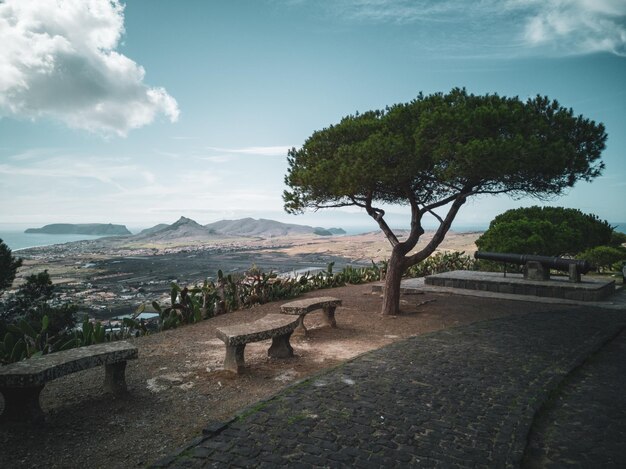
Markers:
58,60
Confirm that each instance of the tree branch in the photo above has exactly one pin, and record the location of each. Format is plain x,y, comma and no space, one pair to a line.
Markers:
416,225
378,214
440,234
436,216
441,203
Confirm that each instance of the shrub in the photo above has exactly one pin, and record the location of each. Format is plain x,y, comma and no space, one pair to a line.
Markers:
232,292
618,239
548,231
35,299
442,262
605,258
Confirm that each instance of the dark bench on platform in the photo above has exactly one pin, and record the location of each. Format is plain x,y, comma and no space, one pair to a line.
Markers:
22,382
273,326
305,306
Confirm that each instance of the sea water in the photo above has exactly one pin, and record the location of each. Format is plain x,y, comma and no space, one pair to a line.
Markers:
17,240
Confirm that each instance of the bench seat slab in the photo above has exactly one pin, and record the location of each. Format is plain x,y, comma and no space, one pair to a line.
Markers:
265,328
302,307
40,370
275,326
22,382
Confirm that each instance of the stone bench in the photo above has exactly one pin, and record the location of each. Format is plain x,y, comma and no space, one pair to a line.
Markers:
305,306
22,382
273,326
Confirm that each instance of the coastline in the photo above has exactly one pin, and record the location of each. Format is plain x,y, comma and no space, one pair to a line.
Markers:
19,241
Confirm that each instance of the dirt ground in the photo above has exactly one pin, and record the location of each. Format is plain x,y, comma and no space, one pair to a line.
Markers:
177,386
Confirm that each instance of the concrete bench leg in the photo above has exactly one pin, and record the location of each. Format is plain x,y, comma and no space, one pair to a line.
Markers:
234,358
329,315
281,348
115,378
22,404
300,329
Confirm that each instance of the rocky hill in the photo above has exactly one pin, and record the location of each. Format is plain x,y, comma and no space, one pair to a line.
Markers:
97,229
265,228
188,229
154,229
183,228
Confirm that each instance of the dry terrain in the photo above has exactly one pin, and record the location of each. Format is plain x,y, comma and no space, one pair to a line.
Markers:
177,385
113,276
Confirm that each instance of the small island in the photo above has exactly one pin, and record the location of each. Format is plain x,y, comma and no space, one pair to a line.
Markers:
96,229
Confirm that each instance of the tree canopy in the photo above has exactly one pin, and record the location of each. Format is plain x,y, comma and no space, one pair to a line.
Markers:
548,231
436,151
8,266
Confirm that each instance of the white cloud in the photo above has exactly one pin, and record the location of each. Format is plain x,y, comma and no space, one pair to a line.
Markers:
58,60
501,27
577,26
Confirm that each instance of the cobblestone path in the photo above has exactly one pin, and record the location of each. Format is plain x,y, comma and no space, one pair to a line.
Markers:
461,397
584,424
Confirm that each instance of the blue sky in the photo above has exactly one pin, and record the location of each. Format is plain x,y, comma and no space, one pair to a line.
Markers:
140,112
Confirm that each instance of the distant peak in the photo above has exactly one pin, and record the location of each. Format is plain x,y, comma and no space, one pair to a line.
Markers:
182,220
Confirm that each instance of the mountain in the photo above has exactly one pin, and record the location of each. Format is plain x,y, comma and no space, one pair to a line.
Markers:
188,229
262,228
99,229
184,228
154,229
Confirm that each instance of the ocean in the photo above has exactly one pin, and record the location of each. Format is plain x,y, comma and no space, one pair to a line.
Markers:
17,240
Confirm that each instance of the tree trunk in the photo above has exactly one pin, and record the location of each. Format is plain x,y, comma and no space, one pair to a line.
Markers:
391,293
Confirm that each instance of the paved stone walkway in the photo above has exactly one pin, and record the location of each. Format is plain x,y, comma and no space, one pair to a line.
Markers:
584,424
461,397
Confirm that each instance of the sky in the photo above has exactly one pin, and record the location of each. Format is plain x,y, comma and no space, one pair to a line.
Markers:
142,111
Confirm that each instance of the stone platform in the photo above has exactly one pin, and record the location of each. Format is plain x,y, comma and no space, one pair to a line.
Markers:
557,287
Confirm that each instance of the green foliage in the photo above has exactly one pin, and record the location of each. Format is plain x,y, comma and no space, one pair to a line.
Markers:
188,305
605,258
547,231
21,340
97,333
442,262
617,238
8,266
192,304
35,299
440,145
